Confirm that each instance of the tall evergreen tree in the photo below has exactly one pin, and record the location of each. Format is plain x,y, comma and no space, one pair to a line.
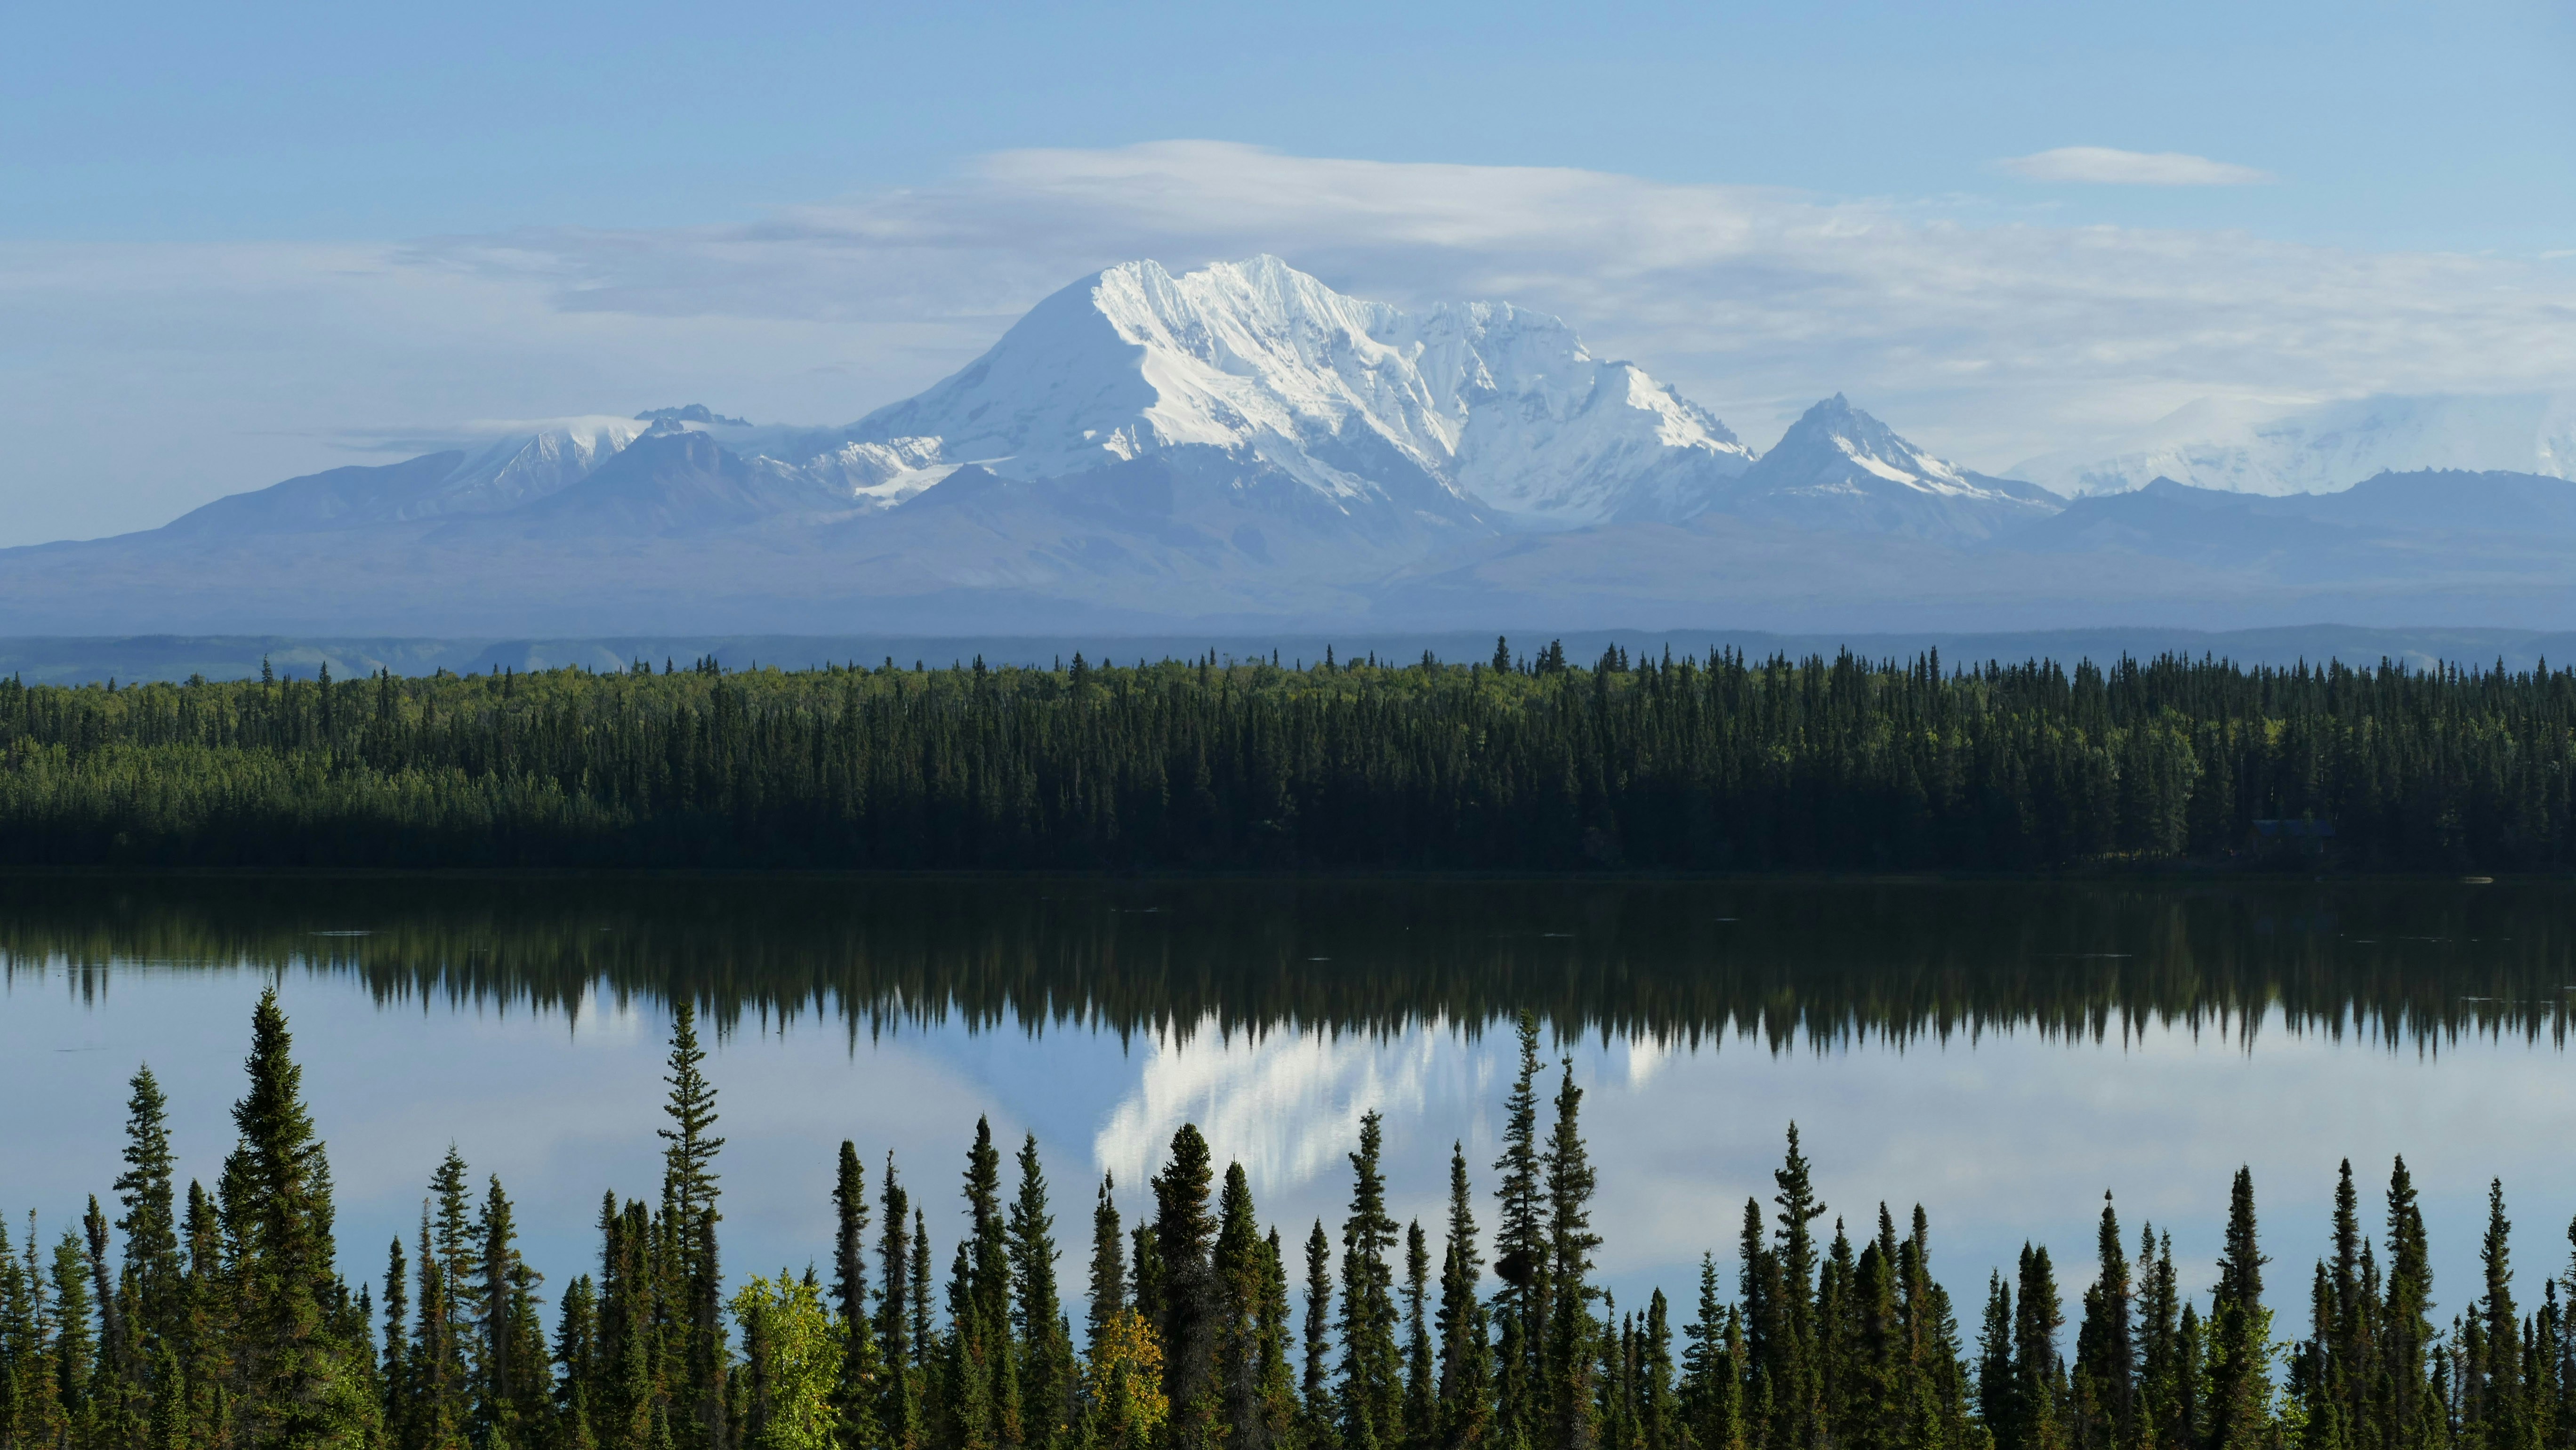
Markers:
301,1384
1466,1351
1520,1242
1241,1267
2492,1407
2105,1348
1184,1290
1372,1378
689,1193
1421,1389
153,1266
2240,1385
1571,1331
857,1396
1046,1340
1108,1262
2039,1378
1315,1392
899,1408
1788,1289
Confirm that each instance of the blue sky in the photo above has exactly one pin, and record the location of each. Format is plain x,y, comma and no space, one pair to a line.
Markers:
2388,124
238,245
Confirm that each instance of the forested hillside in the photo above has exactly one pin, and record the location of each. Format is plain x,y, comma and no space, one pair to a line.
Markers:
223,1317
1718,763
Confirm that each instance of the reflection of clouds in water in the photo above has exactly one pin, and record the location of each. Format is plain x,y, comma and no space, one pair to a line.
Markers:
1285,1104
1646,1057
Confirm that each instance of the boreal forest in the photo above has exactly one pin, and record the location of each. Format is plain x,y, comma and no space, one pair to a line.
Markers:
1718,763
223,1318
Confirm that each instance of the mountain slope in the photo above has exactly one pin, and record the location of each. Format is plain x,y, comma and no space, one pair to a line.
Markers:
2386,530
1838,468
1484,406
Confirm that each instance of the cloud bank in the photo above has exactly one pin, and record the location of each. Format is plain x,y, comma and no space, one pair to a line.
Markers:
2106,166
164,375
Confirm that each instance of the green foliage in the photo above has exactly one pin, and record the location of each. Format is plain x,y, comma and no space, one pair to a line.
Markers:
1716,763
797,1365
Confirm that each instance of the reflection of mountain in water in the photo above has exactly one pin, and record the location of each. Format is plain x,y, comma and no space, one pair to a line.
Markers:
1789,964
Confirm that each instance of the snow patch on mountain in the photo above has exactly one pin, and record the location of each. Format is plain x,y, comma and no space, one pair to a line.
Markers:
2261,446
1839,468
524,469
1356,400
1547,434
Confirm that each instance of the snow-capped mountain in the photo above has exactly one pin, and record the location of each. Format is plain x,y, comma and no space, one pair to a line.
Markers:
2249,446
1242,443
1484,407
1839,468
516,471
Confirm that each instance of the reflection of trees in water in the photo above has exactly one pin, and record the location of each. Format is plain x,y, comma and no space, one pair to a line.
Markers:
1813,964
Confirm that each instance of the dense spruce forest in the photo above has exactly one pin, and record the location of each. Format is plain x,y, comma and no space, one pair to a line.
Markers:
217,1319
1719,763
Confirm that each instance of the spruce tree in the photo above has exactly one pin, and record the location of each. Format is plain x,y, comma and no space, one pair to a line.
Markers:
2163,1368
2105,1354
577,1352
2039,1394
394,1365
855,1400
1999,1389
2240,1386
1708,1371
689,1193
1240,1264
2491,1392
301,1386
440,1410
899,1407
1314,1384
1466,1350
1520,1241
1371,1400
1046,1340
1184,1295
923,1345
1280,1407
1569,1360
1108,1263
74,1353
153,1267
1659,1418
985,1380
1790,1284
2406,1315
1421,1391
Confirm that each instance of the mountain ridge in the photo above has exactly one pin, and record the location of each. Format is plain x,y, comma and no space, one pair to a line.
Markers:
1243,444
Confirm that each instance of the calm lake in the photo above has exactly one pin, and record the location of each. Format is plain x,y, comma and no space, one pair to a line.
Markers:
2001,1053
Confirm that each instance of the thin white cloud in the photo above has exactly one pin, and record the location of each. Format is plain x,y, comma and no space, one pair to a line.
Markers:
168,374
2109,166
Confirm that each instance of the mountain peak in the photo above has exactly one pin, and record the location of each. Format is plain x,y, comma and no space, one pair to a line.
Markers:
1362,404
1837,466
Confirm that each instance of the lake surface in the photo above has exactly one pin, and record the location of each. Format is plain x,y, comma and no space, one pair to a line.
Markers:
2002,1053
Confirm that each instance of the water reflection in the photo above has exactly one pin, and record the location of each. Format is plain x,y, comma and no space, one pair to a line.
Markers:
2002,1053
1817,965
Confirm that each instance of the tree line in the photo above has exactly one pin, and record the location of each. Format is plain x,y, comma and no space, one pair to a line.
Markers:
1712,763
220,1319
